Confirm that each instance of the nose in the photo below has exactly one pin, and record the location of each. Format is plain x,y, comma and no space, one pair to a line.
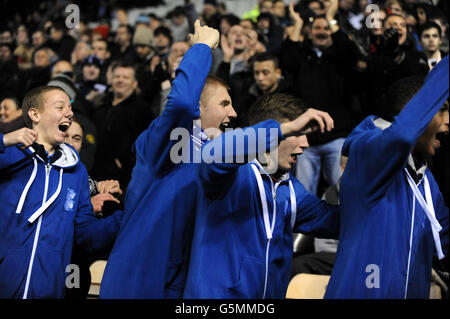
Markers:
232,113
304,142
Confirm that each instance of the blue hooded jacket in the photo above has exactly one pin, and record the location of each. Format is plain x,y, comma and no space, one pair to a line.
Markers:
242,247
44,206
386,243
149,258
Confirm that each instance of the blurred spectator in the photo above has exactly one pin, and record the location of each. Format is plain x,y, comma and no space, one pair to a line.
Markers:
396,58
317,7
441,20
211,14
155,21
81,51
394,7
100,49
267,79
271,32
321,68
266,6
280,13
247,24
226,22
163,40
124,35
430,36
6,36
178,24
10,115
143,44
40,73
38,39
10,76
120,120
90,83
23,50
60,42
62,67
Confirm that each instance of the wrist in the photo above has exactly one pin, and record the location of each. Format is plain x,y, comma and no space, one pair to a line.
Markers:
4,140
286,129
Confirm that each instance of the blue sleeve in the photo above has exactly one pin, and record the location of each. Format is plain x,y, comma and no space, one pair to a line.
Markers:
9,155
154,144
377,156
222,156
95,235
314,216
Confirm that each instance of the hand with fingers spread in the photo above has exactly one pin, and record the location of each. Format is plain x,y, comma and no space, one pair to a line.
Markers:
24,136
109,186
205,35
98,200
309,122
295,35
227,49
294,15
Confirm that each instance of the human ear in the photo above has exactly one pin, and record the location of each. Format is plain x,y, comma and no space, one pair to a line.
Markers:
34,115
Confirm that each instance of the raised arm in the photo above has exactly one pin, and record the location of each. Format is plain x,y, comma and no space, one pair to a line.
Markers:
223,155
153,145
382,153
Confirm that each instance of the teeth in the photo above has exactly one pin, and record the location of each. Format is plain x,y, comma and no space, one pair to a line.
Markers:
64,127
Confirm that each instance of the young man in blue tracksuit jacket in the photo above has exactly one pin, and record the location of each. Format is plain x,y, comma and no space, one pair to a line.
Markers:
393,214
242,244
150,256
45,202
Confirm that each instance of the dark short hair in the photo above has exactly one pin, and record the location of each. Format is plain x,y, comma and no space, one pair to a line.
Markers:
108,45
36,99
266,56
129,28
399,94
231,19
164,31
124,64
427,26
279,107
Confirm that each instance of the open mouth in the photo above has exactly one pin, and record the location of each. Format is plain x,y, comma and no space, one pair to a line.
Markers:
294,157
322,36
227,125
441,138
224,126
63,127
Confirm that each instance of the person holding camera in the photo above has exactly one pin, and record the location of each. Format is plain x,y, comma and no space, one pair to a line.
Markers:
396,58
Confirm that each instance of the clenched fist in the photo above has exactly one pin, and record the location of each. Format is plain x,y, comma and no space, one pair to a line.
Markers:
24,136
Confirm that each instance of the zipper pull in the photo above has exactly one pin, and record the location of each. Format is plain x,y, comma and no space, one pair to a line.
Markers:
47,167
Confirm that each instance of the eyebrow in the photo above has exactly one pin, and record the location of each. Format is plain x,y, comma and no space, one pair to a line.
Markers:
59,102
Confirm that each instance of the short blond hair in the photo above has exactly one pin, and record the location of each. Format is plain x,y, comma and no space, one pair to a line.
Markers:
36,99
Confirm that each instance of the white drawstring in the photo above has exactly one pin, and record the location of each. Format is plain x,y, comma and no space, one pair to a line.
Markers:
27,187
37,213
268,226
428,208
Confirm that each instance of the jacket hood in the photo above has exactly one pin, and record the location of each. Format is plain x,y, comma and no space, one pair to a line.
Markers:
363,127
374,123
68,157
